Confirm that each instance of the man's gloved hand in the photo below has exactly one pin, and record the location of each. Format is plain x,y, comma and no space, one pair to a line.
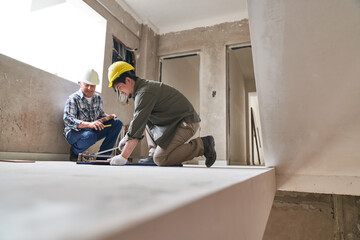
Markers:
122,143
118,161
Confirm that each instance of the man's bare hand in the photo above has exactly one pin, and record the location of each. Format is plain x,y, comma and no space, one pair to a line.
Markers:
97,125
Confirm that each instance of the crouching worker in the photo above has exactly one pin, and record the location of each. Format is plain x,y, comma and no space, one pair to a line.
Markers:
82,114
168,117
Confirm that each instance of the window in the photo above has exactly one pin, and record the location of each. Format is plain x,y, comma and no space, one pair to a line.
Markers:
63,37
122,53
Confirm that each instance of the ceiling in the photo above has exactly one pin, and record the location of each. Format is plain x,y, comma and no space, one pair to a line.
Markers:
165,16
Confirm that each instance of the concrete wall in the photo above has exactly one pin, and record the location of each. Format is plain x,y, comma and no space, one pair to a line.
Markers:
211,42
31,108
306,59
298,216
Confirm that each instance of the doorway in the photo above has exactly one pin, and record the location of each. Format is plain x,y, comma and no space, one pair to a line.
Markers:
243,142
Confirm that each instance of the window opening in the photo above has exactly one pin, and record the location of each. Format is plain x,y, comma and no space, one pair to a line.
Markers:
64,38
122,53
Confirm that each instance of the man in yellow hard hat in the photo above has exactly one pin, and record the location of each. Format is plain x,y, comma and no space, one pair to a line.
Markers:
168,117
82,112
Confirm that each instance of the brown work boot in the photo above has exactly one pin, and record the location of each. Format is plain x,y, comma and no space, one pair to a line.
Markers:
209,150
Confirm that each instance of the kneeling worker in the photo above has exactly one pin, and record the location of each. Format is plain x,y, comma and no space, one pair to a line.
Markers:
169,118
82,112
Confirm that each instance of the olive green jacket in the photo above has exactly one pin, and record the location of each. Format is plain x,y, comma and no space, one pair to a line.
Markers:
162,108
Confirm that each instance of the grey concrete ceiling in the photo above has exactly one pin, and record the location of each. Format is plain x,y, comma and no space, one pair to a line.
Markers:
173,15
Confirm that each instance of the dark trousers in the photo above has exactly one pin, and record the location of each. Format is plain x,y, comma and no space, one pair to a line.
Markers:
85,138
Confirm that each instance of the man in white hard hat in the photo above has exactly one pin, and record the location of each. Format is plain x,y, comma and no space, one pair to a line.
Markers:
82,112
168,117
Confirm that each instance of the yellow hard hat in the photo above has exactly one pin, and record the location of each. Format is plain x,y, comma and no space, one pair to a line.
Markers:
116,69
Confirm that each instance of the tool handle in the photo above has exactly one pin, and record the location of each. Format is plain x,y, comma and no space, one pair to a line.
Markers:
107,118
98,153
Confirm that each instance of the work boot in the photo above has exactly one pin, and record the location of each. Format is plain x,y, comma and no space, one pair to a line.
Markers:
148,160
209,150
73,156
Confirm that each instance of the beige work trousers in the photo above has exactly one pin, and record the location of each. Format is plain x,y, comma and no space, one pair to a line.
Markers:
179,150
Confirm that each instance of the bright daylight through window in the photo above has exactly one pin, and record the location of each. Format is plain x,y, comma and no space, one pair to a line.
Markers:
63,37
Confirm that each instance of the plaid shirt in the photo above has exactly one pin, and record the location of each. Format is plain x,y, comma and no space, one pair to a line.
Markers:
78,109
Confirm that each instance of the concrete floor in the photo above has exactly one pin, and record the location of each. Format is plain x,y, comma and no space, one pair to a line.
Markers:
63,200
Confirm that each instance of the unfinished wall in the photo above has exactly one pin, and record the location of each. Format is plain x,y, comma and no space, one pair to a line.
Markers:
211,43
32,101
147,59
31,108
300,216
306,59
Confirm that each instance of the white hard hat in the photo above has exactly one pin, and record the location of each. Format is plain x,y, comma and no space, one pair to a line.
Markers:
91,77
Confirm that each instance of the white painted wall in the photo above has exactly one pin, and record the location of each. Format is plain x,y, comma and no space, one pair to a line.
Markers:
307,71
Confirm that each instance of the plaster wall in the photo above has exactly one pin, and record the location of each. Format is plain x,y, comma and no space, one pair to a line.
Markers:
306,57
147,60
211,42
31,108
